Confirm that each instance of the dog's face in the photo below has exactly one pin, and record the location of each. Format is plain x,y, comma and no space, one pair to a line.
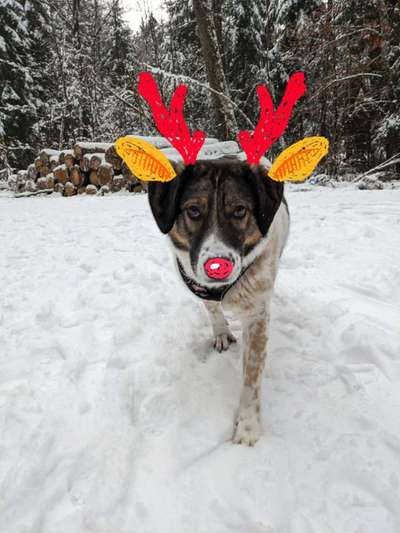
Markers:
215,213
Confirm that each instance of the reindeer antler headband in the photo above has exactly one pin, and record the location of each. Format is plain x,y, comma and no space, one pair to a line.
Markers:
296,163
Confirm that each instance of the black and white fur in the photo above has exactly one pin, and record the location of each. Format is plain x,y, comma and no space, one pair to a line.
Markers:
221,190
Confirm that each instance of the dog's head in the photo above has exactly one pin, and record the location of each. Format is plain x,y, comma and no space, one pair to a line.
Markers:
215,213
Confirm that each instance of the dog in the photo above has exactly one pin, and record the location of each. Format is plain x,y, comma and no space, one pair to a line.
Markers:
227,224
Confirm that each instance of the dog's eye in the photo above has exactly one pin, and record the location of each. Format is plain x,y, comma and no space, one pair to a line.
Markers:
239,212
193,211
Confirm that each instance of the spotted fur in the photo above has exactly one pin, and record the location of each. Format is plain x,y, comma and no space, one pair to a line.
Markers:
253,243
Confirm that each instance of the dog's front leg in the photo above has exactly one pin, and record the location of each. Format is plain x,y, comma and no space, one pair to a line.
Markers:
222,334
248,421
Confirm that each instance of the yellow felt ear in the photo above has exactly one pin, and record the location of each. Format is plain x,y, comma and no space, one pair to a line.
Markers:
145,161
297,162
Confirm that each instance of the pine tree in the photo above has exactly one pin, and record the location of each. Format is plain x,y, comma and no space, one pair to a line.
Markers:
71,76
386,135
116,117
91,58
180,55
37,15
22,54
244,51
17,112
226,126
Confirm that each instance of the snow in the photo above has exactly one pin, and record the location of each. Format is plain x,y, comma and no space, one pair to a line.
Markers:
209,150
50,152
99,146
116,414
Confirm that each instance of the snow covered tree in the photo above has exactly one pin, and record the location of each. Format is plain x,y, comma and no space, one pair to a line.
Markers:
22,53
225,116
117,117
180,61
15,97
244,51
68,70
90,62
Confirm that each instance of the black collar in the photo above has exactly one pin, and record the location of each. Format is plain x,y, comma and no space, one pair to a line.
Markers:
207,293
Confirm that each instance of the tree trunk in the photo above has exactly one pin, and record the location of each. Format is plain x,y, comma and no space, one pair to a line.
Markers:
217,15
226,122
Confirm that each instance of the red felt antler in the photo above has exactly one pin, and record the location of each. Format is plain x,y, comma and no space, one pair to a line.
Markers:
271,124
171,124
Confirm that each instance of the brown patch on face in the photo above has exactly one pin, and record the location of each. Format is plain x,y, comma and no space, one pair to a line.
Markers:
195,197
252,239
179,239
236,196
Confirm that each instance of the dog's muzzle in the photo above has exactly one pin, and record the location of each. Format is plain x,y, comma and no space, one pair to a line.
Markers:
218,268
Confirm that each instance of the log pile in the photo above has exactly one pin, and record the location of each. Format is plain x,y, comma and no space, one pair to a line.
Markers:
89,168
96,168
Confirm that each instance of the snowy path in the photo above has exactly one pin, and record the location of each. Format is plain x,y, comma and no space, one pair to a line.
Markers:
115,413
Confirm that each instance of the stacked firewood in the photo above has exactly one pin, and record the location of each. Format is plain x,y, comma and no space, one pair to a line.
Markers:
96,168
90,168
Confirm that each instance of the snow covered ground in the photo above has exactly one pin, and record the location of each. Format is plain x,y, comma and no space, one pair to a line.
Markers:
116,414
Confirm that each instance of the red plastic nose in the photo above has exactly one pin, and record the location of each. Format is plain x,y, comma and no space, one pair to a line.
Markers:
218,267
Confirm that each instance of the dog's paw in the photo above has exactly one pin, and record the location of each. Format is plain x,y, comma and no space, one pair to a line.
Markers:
223,341
247,431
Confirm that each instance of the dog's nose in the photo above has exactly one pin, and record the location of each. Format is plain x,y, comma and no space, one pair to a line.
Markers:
218,267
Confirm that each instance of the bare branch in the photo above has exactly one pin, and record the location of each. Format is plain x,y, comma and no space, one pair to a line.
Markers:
339,80
394,160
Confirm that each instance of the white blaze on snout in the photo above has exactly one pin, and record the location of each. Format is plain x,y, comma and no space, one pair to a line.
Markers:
213,247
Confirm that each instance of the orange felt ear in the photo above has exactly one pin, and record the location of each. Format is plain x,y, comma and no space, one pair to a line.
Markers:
297,162
145,161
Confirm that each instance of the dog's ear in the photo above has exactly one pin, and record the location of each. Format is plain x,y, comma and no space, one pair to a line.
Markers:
164,198
268,195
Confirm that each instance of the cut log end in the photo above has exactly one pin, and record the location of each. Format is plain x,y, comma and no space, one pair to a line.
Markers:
77,176
118,183
61,174
105,173
59,187
94,178
91,190
70,189
42,184
113,158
